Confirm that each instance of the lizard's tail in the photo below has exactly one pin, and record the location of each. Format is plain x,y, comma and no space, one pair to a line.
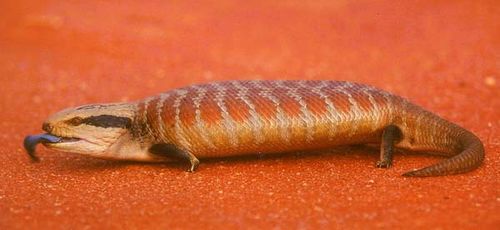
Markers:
470,156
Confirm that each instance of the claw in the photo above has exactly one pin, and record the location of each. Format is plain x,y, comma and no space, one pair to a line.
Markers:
383,164
194,164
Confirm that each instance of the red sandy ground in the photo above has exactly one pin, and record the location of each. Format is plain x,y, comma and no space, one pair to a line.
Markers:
443,55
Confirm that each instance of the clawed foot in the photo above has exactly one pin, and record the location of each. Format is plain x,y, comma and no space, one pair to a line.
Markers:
384,164
194,164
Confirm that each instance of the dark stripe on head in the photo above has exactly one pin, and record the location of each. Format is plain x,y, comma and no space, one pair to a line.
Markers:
108,121
104,121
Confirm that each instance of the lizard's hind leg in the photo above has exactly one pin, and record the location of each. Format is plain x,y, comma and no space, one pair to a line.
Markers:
390,136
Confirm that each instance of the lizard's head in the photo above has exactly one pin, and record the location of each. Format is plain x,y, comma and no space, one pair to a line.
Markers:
90,128
99,130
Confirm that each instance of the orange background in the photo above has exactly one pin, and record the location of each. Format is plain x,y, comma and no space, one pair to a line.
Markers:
443,55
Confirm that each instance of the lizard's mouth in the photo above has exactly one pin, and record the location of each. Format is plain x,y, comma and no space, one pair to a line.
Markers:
31,141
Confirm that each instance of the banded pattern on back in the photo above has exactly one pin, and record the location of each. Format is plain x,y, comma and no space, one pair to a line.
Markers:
239,117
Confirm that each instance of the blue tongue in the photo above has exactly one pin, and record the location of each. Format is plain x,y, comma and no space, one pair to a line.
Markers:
31,141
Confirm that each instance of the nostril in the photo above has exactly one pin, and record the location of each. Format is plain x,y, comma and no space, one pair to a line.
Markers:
47,127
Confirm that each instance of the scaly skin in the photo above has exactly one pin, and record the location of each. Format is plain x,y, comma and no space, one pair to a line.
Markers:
245,117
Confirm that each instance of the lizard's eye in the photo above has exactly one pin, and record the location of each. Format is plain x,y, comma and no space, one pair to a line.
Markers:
75,121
